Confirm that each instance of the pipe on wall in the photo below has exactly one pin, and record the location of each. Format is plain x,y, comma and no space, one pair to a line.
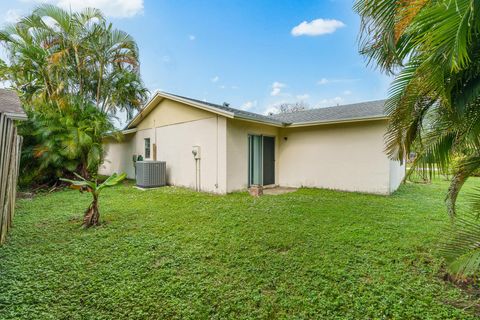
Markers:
216,178
197,157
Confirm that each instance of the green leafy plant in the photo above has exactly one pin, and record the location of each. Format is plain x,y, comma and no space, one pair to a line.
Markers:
92,214
60,138
73,74
432,49
75,53
461,246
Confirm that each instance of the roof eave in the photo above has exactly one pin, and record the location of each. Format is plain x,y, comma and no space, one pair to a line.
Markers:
351,120
252,119
128,131
16,116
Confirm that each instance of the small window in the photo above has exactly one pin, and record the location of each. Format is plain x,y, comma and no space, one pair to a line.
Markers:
147,148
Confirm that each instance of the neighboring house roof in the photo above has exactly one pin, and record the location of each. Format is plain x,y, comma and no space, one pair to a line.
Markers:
11,106
372,110
345,113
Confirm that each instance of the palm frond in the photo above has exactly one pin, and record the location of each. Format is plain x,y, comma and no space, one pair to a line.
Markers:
464,170
460,245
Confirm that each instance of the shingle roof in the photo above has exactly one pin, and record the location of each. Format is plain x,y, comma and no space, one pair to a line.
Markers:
345,113
10,104
370,109
237,112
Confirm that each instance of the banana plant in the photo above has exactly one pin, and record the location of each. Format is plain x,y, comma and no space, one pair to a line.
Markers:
92,214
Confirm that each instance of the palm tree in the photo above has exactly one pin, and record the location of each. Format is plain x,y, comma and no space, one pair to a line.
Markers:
53,53
432,49
64,64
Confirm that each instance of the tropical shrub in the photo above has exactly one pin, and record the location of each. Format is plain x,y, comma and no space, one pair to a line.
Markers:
92,214
61,138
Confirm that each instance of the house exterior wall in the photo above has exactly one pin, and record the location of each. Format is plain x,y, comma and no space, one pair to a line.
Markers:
346,157
175,128
169,112
174,145
237,151
118,157
397,173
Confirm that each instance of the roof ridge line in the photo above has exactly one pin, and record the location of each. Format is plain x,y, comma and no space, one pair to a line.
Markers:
340,105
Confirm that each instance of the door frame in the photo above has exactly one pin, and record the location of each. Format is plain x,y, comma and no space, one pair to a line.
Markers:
249,158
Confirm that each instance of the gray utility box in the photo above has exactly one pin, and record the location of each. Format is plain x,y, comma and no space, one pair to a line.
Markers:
150,174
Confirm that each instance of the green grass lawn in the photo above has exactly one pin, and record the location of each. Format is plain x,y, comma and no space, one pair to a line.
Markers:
173,253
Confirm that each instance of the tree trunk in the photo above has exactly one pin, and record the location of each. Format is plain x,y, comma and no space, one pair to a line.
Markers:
83,169
455,186
99,85
92,215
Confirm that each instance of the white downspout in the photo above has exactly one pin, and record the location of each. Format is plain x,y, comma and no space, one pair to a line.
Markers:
216,179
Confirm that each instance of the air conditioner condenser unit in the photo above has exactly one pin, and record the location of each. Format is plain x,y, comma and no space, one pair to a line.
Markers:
151,174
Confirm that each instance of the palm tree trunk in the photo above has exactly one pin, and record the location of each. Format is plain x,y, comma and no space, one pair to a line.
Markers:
99,85
79,69
92,215
455,186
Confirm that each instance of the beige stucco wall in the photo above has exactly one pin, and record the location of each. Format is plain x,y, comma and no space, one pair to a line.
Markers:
174,145
397,173
346,157
118,157
169,112
343,156
175,128
237,151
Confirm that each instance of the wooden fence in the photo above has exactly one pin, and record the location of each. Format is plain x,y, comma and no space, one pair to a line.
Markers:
10,147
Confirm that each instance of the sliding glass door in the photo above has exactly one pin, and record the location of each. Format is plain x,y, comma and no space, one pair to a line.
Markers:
255,167
261,160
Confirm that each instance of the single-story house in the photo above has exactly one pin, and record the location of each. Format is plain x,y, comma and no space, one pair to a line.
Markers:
340,147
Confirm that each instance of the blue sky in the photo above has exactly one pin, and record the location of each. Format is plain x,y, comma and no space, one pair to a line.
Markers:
251,54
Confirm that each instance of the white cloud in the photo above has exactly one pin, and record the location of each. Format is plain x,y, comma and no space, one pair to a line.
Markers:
192,37
273,107
166,59
347,92
277,88
303,96
234,87
317,27
222,86
215,79
331,102
49,21
248,105
111,8
324,81
12,16
270,110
